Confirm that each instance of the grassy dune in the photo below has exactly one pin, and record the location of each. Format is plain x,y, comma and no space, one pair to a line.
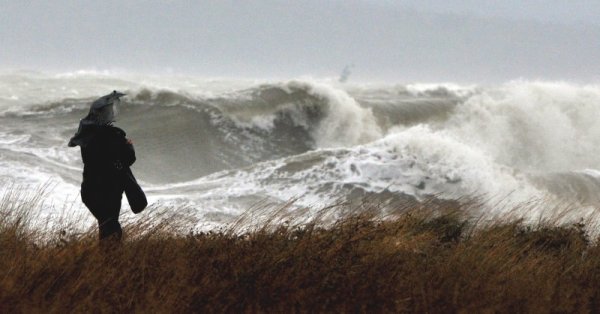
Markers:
426,258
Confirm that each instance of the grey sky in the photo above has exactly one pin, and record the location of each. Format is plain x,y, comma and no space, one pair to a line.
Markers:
562,11
426,40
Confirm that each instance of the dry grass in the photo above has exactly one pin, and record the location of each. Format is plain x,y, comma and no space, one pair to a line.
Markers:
427,258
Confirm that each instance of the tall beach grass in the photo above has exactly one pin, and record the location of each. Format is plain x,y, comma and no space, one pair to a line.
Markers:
430,256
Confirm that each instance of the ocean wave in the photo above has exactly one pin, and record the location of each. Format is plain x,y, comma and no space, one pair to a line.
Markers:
223,145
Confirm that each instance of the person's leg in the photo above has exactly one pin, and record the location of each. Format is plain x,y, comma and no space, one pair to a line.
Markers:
109,225
103,198
110,229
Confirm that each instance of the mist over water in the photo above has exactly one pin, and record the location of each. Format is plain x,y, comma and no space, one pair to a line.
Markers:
217,147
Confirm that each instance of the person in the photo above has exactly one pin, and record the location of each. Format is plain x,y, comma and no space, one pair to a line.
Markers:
107,155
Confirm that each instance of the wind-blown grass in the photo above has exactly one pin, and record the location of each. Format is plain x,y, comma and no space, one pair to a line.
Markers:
426,257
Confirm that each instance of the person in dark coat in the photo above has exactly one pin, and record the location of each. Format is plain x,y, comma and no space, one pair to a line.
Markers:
107,155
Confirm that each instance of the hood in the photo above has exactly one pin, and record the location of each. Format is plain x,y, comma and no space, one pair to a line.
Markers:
102,113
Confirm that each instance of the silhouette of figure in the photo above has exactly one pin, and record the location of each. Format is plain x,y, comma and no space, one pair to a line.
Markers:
107,155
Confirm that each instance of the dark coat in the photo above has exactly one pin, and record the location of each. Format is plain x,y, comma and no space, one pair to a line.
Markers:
107,156
104,158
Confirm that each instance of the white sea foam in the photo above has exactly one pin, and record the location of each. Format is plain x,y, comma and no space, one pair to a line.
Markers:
416,161
533,126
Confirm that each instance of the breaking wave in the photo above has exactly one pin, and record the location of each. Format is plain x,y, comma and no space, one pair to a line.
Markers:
220,145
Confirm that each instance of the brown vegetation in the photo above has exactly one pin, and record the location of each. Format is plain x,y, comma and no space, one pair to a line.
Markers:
417,261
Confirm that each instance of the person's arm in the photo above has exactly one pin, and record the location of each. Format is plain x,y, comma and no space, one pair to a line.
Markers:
127,152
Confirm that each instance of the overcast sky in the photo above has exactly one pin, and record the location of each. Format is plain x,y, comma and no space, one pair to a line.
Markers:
412,40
